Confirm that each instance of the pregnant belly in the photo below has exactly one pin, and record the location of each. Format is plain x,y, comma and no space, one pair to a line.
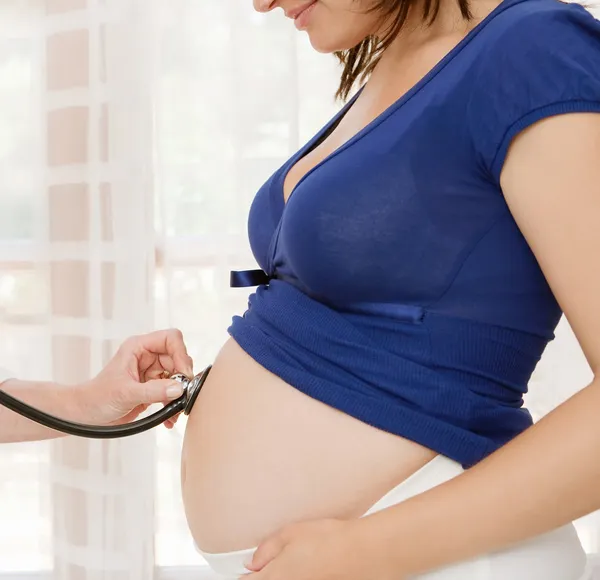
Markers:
258,454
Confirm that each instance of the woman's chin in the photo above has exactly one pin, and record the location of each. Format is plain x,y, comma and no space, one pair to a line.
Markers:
322,40
325,44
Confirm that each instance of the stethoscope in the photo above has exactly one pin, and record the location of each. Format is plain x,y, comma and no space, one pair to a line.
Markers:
184,404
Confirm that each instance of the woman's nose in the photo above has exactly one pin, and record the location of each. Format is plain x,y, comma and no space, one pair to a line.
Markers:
264,5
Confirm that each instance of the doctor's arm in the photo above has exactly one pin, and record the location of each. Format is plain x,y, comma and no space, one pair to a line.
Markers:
127,385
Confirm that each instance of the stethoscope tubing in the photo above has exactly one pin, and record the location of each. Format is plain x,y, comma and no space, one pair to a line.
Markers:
92,431
183,404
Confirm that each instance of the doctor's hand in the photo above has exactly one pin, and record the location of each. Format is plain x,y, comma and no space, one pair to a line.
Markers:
134,379
320,550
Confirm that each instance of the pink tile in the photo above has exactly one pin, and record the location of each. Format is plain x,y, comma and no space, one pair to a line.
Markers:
68,60
68,136
69,285
108,290
71,358
57,6
69,207
106,213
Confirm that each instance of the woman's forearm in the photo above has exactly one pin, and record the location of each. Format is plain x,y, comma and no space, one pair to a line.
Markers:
546,477
49,397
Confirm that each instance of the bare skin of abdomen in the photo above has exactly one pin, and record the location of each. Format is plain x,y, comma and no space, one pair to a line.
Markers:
258,454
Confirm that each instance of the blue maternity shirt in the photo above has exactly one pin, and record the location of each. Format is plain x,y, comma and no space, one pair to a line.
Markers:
395,285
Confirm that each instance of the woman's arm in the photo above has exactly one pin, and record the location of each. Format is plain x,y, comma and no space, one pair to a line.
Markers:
546,477
550,474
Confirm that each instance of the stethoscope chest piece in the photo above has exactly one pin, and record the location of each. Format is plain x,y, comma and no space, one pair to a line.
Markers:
191,387
184,404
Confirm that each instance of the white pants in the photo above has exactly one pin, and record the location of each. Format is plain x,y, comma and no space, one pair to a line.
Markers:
557,555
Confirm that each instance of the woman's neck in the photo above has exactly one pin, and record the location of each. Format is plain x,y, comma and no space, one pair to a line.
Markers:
448,25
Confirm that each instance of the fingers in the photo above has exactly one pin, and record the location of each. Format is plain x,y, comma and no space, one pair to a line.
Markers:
170,423
269,550
132,415
151,392
159,369
165,346
263,575
167,363
170,342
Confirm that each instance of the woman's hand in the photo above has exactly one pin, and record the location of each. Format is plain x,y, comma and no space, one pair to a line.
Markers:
320,550
134,379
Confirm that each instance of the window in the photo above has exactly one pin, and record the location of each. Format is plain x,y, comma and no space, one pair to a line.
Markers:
223,124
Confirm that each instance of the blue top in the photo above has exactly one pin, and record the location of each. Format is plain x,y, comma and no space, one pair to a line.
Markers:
397,286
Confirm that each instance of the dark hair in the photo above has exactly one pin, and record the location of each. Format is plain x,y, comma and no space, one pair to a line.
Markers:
359,62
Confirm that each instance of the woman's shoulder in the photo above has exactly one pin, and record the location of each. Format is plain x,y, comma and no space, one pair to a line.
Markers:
537,53
535,32
537,59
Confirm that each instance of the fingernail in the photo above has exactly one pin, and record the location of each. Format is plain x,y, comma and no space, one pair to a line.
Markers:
174,390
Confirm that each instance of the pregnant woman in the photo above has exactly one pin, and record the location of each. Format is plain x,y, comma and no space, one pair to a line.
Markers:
415,258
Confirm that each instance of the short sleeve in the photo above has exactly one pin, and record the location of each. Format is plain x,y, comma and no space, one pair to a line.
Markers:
546,63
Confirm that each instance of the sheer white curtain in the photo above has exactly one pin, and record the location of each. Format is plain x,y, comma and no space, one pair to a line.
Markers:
133,136
78,169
